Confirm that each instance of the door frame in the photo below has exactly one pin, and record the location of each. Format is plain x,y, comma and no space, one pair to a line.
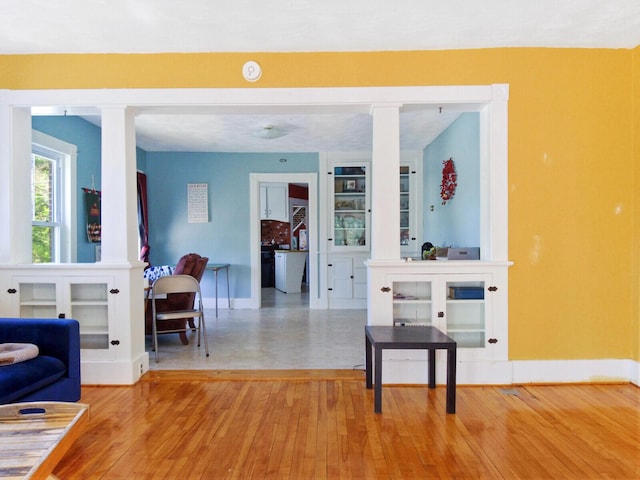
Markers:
311,179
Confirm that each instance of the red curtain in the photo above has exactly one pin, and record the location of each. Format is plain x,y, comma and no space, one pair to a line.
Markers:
143,218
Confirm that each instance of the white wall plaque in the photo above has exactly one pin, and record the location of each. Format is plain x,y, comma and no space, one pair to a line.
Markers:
198,202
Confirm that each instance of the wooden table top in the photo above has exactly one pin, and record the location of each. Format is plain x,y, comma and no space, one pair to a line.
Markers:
34,436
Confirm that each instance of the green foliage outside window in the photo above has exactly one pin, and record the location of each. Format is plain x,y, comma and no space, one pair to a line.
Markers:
42,235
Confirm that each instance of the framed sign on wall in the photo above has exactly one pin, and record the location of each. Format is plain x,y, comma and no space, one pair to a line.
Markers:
198,202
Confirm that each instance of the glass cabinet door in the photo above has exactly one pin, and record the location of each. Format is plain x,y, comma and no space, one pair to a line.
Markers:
350,207
89,305
466,320
405,233
412,303
38,299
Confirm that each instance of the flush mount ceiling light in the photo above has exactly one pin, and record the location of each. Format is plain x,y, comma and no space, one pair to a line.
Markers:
269,132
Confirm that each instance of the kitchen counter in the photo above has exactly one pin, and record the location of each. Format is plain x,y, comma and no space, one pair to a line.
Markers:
289,270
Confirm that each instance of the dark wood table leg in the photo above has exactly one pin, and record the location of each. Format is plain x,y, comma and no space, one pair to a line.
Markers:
377,389
451,380
432,367
367,356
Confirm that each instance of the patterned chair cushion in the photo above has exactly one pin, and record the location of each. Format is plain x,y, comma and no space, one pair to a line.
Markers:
154,273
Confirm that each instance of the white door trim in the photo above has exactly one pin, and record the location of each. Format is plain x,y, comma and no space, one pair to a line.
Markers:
255,179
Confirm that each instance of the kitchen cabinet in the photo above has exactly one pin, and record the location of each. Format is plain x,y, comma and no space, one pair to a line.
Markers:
274,202
289,270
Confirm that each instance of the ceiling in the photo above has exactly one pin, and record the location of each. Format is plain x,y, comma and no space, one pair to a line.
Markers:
152,26
301,133
148,26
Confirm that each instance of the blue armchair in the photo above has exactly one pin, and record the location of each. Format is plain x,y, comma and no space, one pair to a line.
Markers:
54,375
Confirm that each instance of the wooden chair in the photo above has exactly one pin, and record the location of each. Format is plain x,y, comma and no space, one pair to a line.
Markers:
190,264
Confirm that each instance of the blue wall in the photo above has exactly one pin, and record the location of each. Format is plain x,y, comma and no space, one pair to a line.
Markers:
457,223
225,238
87,137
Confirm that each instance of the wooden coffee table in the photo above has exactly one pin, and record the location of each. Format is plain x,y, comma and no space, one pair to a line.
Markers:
34,436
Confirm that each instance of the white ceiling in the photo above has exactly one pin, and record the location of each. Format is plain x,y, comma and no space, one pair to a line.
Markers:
145,26
304,133
152,26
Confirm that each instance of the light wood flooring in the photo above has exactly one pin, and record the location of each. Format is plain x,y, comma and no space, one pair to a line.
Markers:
319,424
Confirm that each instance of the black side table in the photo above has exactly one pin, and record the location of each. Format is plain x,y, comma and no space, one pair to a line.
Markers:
429,338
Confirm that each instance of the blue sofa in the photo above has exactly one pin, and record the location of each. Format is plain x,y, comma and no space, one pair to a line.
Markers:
54,375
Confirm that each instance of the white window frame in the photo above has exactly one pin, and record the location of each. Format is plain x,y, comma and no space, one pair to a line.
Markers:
66,234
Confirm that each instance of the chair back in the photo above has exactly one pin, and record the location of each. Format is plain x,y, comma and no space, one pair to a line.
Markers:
191,264
175,284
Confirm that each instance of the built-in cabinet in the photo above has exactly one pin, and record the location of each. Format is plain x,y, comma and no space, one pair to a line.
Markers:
111,350
410,200
465,299
351,213
274,202
459,305
89,300
349,221
348,229
347,280
350,210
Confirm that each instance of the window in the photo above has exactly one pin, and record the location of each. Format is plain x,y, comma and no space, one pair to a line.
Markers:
53,233
47,215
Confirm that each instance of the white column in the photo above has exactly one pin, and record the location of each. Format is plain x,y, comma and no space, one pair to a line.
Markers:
494,181
15,185
119,191
385,183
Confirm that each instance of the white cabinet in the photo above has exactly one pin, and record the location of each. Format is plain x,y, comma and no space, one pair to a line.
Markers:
465,299
280,266
347,281
289,270
89,300
410,202
459,305
349,215
412,301
106,300
274,202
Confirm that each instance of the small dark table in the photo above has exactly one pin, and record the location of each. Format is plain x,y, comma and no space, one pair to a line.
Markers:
429,338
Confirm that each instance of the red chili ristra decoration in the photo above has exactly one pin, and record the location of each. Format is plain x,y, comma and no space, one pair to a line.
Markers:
449,181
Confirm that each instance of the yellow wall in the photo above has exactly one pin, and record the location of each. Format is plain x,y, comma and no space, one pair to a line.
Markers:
574,285
636,217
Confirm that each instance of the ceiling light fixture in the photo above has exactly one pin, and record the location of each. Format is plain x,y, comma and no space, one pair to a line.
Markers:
269,132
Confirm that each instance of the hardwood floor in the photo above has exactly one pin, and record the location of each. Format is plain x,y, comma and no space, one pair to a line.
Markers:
320,424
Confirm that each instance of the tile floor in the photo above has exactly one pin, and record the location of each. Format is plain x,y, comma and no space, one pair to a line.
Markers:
283,334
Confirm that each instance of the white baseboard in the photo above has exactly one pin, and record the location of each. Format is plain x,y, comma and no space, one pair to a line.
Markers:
223,303
414,372
574,371
113,372
635,372
409,371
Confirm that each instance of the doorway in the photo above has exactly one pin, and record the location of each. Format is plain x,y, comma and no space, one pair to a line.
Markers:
311,180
